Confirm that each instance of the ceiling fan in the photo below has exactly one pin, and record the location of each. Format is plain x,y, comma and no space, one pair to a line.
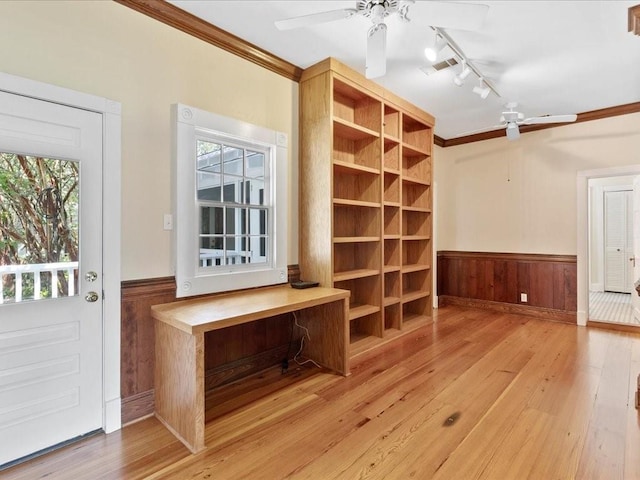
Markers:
463,16
512,119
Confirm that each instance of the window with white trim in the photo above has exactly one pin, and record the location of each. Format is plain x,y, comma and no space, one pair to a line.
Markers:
229,196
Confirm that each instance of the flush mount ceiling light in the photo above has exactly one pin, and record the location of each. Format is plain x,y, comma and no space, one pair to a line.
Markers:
482,90
464,73
432,51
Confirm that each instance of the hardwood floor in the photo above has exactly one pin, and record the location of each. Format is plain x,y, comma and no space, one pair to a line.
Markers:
475,395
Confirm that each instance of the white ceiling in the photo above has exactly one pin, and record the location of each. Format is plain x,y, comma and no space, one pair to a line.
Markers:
552,57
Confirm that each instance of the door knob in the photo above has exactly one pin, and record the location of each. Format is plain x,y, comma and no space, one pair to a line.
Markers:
90,276
91,297
633,259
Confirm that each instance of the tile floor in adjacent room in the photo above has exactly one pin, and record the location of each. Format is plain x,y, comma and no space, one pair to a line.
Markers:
611,307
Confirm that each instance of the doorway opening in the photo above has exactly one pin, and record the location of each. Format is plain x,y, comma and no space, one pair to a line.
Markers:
592,252
611,257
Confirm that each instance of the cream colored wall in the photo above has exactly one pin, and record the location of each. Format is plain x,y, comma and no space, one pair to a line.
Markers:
106,49
502,196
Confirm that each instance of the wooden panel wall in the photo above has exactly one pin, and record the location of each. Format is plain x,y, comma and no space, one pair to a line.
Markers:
496,280
137,343
230,353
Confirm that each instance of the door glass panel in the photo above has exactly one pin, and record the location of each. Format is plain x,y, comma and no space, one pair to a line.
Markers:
39,206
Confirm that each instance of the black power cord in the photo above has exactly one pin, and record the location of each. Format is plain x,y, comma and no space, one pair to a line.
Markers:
285,360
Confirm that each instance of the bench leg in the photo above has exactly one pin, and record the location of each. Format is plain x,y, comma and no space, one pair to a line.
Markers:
179,384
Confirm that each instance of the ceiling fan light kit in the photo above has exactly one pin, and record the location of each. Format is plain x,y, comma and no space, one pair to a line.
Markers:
513,132
376,51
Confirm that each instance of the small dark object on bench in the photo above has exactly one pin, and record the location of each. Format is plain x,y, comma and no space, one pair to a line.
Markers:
300,284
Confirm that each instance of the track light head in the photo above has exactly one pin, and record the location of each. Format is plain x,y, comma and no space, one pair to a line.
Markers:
464,73
482,90
432,51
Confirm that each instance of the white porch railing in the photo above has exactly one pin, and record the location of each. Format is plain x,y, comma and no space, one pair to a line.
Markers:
36,269
212,257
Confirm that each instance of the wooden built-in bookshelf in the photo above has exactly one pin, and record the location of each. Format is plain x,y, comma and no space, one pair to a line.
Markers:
365,201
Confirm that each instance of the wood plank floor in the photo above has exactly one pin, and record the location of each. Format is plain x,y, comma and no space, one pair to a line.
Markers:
477,395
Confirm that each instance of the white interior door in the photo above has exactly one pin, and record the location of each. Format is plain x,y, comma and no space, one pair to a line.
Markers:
50,322
618,241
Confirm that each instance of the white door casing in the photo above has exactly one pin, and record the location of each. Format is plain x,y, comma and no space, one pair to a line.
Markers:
104,386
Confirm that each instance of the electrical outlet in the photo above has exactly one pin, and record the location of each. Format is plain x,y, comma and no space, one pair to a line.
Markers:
523,297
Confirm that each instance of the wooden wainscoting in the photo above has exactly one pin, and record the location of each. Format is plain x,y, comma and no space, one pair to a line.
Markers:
496,281
231,353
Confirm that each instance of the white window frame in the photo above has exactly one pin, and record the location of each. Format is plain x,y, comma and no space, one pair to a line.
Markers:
192,124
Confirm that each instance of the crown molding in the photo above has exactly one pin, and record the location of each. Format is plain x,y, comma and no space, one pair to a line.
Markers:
582,117
173,16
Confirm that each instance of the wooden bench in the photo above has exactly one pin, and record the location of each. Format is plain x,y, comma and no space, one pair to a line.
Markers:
180,328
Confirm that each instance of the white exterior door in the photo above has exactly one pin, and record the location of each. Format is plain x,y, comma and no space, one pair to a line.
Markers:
618,239
51,324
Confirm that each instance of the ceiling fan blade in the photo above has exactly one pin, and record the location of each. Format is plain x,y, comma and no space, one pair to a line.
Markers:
460,16
480,130
376,51
513,132
549,119
314,19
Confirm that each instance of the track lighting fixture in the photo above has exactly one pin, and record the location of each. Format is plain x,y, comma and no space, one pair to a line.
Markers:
442,40
482,90
464,73
432,51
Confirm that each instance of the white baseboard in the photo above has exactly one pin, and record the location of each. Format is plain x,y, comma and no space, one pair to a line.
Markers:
582,318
